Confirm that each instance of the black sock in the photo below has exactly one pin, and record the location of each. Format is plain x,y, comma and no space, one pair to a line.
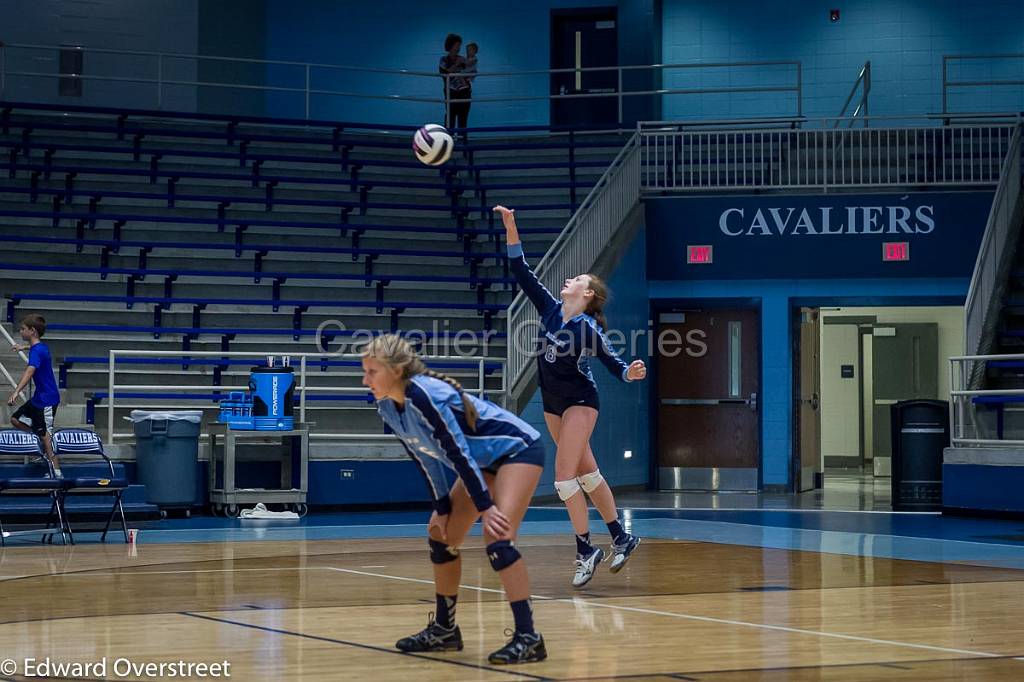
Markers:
583,545
445,616
522,611
615,528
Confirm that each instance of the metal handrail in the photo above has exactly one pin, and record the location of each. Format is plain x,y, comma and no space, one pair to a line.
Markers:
961,411
306,68
864,81
947,84
994,243
302,386
3,369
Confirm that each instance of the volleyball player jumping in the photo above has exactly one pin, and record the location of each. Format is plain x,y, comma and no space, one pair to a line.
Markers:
573,332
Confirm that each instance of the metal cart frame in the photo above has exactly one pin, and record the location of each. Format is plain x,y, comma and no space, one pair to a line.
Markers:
223,442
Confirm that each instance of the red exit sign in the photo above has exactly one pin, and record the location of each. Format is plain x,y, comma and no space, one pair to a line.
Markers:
699,254
895,251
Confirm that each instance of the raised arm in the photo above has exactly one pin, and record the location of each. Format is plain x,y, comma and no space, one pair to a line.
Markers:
525,277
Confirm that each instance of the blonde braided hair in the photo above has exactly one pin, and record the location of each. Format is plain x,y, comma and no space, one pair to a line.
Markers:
397,353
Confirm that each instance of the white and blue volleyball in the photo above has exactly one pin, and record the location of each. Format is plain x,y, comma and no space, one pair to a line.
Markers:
432,144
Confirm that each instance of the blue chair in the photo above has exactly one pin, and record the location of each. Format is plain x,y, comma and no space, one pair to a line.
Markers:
93,473
26,448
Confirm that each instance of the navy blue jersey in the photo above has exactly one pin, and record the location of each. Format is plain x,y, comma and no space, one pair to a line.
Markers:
432,427
564,349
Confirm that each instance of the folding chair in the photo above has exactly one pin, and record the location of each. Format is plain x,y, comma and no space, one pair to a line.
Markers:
86,451
27,449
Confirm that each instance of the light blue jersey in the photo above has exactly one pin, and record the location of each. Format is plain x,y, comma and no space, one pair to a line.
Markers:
432,426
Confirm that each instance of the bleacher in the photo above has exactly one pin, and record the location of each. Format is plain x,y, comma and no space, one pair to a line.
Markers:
140,230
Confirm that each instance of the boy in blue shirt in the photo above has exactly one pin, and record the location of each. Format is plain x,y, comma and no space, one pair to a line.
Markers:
36,415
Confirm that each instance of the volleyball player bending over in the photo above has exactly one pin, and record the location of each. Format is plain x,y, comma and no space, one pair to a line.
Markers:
498,458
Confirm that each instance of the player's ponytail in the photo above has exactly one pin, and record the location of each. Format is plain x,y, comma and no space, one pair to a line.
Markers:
467,406
397,353
595,306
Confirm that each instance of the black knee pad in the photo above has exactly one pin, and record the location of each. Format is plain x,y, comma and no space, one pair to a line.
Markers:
502,554
441,553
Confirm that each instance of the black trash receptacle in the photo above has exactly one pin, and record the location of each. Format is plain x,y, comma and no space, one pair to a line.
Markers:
920,432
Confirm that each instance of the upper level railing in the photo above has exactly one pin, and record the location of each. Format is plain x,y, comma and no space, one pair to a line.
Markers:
1000,76
817,155
162,81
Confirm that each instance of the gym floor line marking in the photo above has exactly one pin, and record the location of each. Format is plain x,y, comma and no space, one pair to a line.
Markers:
906,664
783,529
775,511
705,619
358,645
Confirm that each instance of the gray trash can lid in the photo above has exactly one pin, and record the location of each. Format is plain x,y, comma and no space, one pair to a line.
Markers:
194,416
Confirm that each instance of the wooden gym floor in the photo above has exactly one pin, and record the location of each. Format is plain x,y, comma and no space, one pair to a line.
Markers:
332,610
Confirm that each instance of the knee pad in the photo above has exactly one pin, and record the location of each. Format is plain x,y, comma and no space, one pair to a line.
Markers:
567,489
502,554
590,482
441,553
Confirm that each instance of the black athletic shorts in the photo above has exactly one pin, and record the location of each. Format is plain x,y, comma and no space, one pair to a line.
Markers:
557,405
39,418
534,454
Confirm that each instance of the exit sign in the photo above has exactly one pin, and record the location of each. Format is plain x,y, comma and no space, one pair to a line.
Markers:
895,251
699,254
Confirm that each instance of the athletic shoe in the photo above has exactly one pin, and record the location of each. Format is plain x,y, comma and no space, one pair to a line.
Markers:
585,567
623,552
432,638
522,648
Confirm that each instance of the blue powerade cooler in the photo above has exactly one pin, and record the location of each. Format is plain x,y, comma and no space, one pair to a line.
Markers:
272,389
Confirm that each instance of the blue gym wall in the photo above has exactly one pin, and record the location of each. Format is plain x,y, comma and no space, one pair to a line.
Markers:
623,423
168,26
404,34
904,39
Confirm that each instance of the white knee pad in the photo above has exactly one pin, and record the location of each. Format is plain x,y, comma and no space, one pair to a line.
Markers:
592,481
567,489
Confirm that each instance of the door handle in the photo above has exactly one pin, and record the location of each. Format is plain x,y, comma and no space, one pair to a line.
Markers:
815,402
753,402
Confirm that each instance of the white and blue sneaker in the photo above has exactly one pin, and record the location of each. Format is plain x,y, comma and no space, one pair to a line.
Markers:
622,552
585,567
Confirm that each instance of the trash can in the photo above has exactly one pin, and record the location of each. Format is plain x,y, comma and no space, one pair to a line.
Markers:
167,454
920,432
